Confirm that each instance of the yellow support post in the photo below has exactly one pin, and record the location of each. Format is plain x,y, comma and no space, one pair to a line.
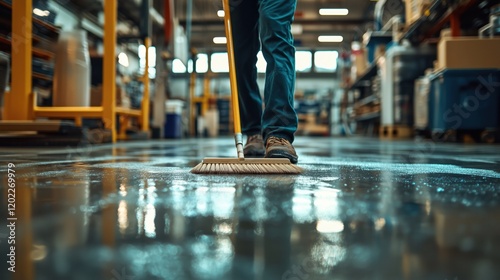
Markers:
109,75
124,124
78,121
17,101
145,96
206,94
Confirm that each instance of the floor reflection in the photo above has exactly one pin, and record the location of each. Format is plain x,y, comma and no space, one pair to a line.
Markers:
124,213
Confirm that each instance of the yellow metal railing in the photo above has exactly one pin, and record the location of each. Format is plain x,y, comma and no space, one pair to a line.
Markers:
19,103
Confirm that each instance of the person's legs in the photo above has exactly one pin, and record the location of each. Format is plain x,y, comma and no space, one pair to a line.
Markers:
279,118
279,121
244,18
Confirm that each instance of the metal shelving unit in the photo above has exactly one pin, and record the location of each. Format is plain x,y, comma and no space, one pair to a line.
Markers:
435,18
364,110
367,116
364,79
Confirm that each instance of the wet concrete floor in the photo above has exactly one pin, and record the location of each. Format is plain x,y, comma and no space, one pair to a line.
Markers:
363,209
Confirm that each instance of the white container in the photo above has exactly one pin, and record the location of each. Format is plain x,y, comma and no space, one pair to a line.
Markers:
174,106
212,122
72,70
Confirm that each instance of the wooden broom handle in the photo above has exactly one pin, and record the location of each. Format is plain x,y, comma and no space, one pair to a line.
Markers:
232,67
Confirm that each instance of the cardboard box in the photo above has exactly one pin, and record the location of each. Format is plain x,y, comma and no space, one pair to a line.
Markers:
468,53
415,9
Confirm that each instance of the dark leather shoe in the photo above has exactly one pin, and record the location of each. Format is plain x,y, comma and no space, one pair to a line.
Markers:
280,148
254,146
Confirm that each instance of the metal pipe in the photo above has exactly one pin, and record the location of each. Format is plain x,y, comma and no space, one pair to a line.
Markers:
145,96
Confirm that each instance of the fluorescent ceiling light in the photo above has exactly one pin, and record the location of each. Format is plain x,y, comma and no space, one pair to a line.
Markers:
220,13
41,13
330,38
220,40
333,12
324,226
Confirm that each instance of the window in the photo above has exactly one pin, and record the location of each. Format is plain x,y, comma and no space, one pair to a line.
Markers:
219,63
261,63
325,61
178,66
151,62
202,63
303,61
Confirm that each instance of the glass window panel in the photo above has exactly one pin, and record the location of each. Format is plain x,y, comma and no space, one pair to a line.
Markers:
261,63
303,61
178,66
219,63
325,61
202,63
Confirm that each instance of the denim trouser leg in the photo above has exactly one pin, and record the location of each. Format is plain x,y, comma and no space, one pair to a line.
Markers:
279,118
244,18
272,19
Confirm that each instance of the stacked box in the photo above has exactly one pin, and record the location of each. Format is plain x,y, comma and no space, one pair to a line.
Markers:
468,53
415,9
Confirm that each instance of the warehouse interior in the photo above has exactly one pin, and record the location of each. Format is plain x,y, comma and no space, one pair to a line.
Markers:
107,106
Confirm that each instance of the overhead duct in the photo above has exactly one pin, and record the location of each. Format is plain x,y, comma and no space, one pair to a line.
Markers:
156,17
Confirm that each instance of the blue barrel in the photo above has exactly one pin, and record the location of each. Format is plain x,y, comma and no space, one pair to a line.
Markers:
173,126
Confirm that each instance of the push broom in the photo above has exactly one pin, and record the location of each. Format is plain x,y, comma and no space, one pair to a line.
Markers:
241,165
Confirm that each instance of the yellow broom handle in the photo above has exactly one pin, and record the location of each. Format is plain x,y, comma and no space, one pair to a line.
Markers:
232,68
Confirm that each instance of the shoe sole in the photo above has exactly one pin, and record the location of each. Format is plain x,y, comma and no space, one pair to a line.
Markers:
254,153
281,154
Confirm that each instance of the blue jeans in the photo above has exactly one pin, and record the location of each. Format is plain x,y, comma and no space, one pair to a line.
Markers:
269,21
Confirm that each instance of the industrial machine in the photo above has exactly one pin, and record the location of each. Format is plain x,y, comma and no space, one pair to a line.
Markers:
402,65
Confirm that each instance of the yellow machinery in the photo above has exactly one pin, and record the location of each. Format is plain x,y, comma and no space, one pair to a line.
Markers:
20,108
204,100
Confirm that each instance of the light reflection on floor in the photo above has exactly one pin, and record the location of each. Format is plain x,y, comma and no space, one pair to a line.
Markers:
363,209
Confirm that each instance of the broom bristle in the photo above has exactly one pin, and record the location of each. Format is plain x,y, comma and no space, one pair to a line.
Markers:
246,166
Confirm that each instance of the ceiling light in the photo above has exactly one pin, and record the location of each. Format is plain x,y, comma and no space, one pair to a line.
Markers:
330,38
324,226
41,13
333,12
220,13
220,40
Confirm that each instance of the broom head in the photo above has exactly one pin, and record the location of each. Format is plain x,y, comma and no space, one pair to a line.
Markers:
246,166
